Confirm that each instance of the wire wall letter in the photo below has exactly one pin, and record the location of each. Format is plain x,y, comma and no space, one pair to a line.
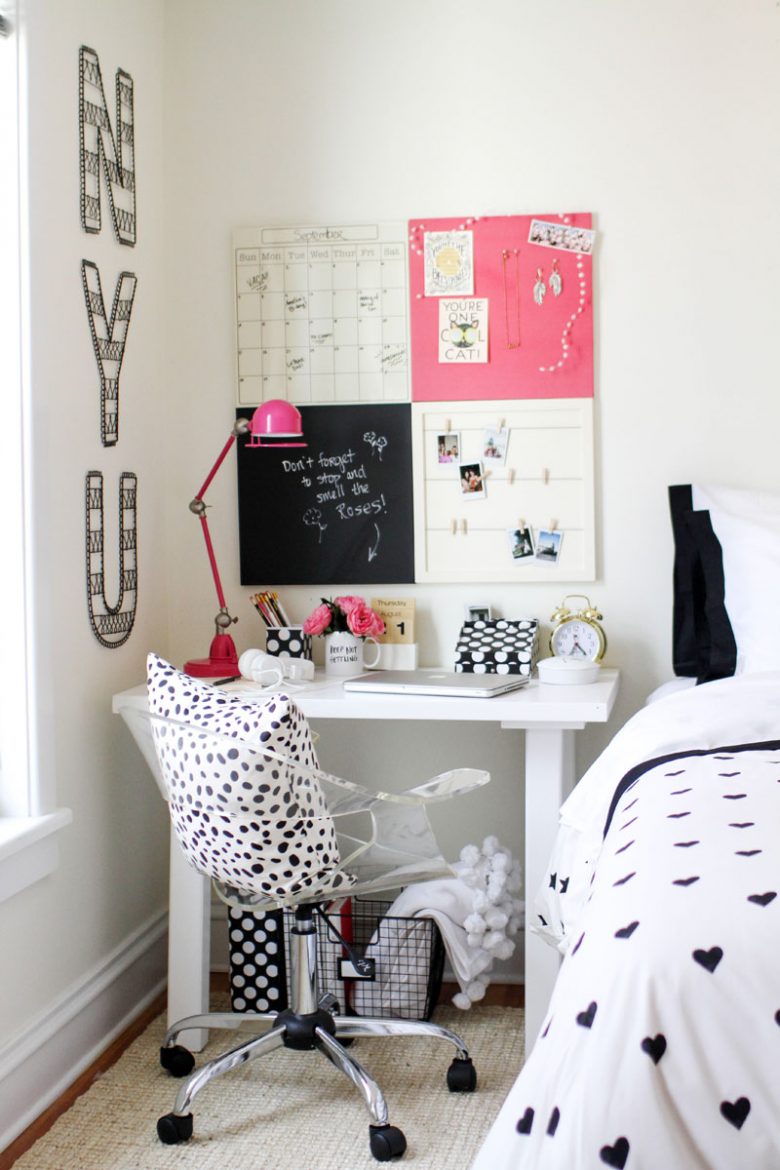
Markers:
108,341
100,148
112,624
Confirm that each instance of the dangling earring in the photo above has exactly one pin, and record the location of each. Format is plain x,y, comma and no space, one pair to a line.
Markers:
540,288
556,283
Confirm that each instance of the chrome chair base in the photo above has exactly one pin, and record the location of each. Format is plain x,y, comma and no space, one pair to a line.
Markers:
311,1025
320,1031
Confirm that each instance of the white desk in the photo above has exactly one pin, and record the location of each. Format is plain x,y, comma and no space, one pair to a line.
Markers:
549,715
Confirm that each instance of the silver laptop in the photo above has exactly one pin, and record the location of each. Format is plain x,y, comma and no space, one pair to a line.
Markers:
436,682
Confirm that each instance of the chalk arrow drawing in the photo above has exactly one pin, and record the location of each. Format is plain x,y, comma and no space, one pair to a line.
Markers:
373,551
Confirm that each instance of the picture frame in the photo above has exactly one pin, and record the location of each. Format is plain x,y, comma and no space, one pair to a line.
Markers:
477,612
472,481
521,543
494,444
548,545
448,447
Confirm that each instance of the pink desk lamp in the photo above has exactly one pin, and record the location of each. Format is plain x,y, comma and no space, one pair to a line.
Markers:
274,424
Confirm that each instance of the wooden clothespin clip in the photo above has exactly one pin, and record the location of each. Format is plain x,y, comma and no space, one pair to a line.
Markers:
553,524
510,475
448,425
521,524
546,475
453,526
502,424
464,526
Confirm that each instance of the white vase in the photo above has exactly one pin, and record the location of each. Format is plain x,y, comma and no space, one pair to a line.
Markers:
345,654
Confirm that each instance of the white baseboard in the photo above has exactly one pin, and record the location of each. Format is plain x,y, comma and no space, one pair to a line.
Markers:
46,1056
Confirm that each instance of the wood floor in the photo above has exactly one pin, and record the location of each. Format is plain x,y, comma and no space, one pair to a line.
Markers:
497,995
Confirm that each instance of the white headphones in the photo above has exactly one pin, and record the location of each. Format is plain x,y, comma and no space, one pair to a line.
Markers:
269,671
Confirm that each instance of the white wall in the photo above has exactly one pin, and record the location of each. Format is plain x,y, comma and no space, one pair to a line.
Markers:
62,936
661,119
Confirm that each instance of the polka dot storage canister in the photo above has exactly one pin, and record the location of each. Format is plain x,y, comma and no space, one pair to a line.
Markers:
288,642
497,646
258,966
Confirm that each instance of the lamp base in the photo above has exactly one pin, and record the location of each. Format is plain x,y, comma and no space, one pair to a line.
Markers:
222,661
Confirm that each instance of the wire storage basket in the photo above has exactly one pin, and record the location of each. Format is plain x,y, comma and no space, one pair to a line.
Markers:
375,964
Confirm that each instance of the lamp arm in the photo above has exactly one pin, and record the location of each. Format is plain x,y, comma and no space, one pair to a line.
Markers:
198,508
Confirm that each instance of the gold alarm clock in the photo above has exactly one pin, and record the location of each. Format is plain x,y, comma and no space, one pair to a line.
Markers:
577,633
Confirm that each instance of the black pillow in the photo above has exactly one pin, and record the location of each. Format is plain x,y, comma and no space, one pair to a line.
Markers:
690,653
703,645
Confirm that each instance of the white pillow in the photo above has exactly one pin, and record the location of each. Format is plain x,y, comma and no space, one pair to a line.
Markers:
747,525
250,823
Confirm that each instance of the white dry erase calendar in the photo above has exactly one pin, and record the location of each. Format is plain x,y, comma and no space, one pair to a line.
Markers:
322,313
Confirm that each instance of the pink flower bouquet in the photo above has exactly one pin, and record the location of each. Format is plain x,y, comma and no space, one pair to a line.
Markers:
344,614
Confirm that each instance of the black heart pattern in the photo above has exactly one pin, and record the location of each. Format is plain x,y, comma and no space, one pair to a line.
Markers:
763,899
684,881
552,1124
622,881
616,1155
626,931
708,959
654,1046
585,1019
736,1112
526,1121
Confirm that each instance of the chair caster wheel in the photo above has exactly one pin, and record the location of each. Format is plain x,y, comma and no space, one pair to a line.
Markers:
386,1142
462,1076
174,1128
178,1061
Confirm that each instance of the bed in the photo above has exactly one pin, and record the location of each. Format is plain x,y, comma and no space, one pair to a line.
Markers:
660,1049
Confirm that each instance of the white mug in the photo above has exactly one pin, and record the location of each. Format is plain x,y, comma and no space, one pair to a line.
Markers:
345,654
261,668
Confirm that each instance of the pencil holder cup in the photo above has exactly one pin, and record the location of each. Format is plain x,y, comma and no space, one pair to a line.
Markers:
288,642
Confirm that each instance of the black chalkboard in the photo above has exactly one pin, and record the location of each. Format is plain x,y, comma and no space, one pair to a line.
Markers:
336,512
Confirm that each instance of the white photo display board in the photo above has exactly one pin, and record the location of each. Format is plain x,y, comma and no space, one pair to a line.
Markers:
322,313
532,518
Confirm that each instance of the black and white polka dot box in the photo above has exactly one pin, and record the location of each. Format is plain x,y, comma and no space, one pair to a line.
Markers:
288,642
497,646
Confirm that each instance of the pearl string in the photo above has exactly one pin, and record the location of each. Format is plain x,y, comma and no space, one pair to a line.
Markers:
566,332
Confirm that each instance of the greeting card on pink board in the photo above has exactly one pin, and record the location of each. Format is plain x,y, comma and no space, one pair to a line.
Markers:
536,274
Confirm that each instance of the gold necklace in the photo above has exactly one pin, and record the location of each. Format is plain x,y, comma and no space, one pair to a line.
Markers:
505,256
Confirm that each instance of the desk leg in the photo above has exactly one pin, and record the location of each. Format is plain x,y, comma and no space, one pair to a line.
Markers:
189,925
549,776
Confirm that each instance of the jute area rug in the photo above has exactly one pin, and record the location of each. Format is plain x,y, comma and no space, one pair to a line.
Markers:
291,1110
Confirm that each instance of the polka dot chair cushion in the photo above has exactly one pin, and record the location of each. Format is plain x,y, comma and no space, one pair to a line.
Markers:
255,824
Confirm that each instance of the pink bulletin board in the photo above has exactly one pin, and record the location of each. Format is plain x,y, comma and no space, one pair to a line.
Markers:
534,350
